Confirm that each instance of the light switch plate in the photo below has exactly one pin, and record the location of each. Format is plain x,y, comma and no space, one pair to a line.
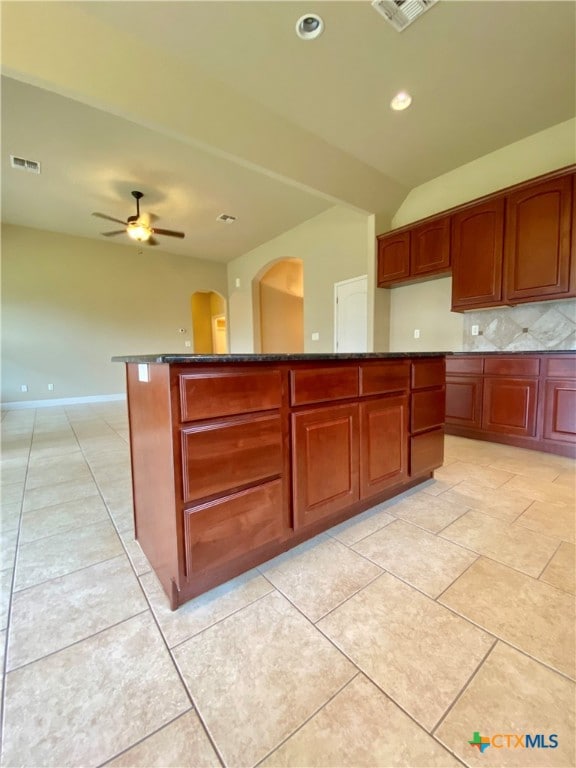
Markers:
143,372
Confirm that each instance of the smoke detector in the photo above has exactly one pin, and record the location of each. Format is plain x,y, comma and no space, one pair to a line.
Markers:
402,13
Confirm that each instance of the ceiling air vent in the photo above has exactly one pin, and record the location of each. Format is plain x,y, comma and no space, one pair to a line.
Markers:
32,166
401,13
226,218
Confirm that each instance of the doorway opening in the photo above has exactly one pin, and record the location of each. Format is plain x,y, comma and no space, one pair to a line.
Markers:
209,327
278,299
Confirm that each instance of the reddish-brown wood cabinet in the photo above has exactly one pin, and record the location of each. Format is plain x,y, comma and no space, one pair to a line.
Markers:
416,253
235,462
538,242
523,400
517,245
477,255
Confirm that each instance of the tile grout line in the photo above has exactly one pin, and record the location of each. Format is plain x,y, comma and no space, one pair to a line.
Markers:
68,573
464,688
307,720
12,582
552,556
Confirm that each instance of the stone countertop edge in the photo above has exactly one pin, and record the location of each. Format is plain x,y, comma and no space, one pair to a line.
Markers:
271,358
486,353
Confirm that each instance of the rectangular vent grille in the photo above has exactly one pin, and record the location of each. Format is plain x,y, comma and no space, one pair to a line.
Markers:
32,166
402,13
226,218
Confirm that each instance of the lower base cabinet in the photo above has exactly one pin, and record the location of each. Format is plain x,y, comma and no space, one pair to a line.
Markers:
509,406
325,469
234,462
525,400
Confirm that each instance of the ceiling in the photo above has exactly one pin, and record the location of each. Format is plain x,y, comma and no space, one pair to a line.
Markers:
217,107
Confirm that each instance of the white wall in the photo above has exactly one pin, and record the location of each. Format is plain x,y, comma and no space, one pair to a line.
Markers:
427,305
336,245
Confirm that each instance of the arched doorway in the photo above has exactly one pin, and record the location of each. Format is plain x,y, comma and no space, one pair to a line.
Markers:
209,328
279,296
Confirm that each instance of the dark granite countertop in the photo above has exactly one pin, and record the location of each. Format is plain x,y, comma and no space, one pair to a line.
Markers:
270,358
519,352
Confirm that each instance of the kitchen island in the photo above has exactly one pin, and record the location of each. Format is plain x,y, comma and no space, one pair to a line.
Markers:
237,458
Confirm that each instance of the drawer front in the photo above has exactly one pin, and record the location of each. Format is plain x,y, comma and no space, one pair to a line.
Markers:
426,452
464,365
428,410
224,393
561,367
512,366
428,373
313,385
218,532
230,453
384,377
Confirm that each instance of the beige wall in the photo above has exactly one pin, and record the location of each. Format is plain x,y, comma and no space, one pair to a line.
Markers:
413,305
70,303
336,245
282,307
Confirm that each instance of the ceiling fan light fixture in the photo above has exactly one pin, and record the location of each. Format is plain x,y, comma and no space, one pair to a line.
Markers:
138,231
401,101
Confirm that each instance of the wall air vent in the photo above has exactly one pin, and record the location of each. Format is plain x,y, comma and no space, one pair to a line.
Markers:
226,218
32,166
401,13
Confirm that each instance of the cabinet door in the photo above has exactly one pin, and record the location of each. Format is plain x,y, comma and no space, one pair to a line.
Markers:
325,462
560,411
430,248
509,406
383,444
393,258
537,245
477,253
464,401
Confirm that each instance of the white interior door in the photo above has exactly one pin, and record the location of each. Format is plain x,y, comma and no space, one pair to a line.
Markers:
351,315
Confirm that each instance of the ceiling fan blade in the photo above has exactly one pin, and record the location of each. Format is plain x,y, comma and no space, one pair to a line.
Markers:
111,234
109,218
168,232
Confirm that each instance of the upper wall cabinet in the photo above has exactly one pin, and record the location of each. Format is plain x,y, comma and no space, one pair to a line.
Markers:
537,245
393,258
430,248
414,254
477,250
515,246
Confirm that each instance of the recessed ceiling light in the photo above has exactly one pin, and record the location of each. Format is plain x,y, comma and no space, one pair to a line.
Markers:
309,26
401,101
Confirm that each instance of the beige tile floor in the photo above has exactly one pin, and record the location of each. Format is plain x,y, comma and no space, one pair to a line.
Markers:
387,641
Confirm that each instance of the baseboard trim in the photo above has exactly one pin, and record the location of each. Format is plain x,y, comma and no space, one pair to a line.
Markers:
20,404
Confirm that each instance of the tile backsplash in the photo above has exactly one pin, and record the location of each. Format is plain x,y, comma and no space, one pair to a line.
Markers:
545,325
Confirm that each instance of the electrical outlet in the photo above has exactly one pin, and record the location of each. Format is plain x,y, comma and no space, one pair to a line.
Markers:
474,330
416,333
23,387
315,336
187,343
237,282
50,387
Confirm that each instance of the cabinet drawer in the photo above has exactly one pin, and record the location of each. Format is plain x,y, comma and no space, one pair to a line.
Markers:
561,367
426,452
428,373
229,453
428,410
313,385
464,365
384,377
220,531
512,366
223,393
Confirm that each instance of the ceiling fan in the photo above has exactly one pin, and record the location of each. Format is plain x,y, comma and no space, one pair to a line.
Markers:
138,227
